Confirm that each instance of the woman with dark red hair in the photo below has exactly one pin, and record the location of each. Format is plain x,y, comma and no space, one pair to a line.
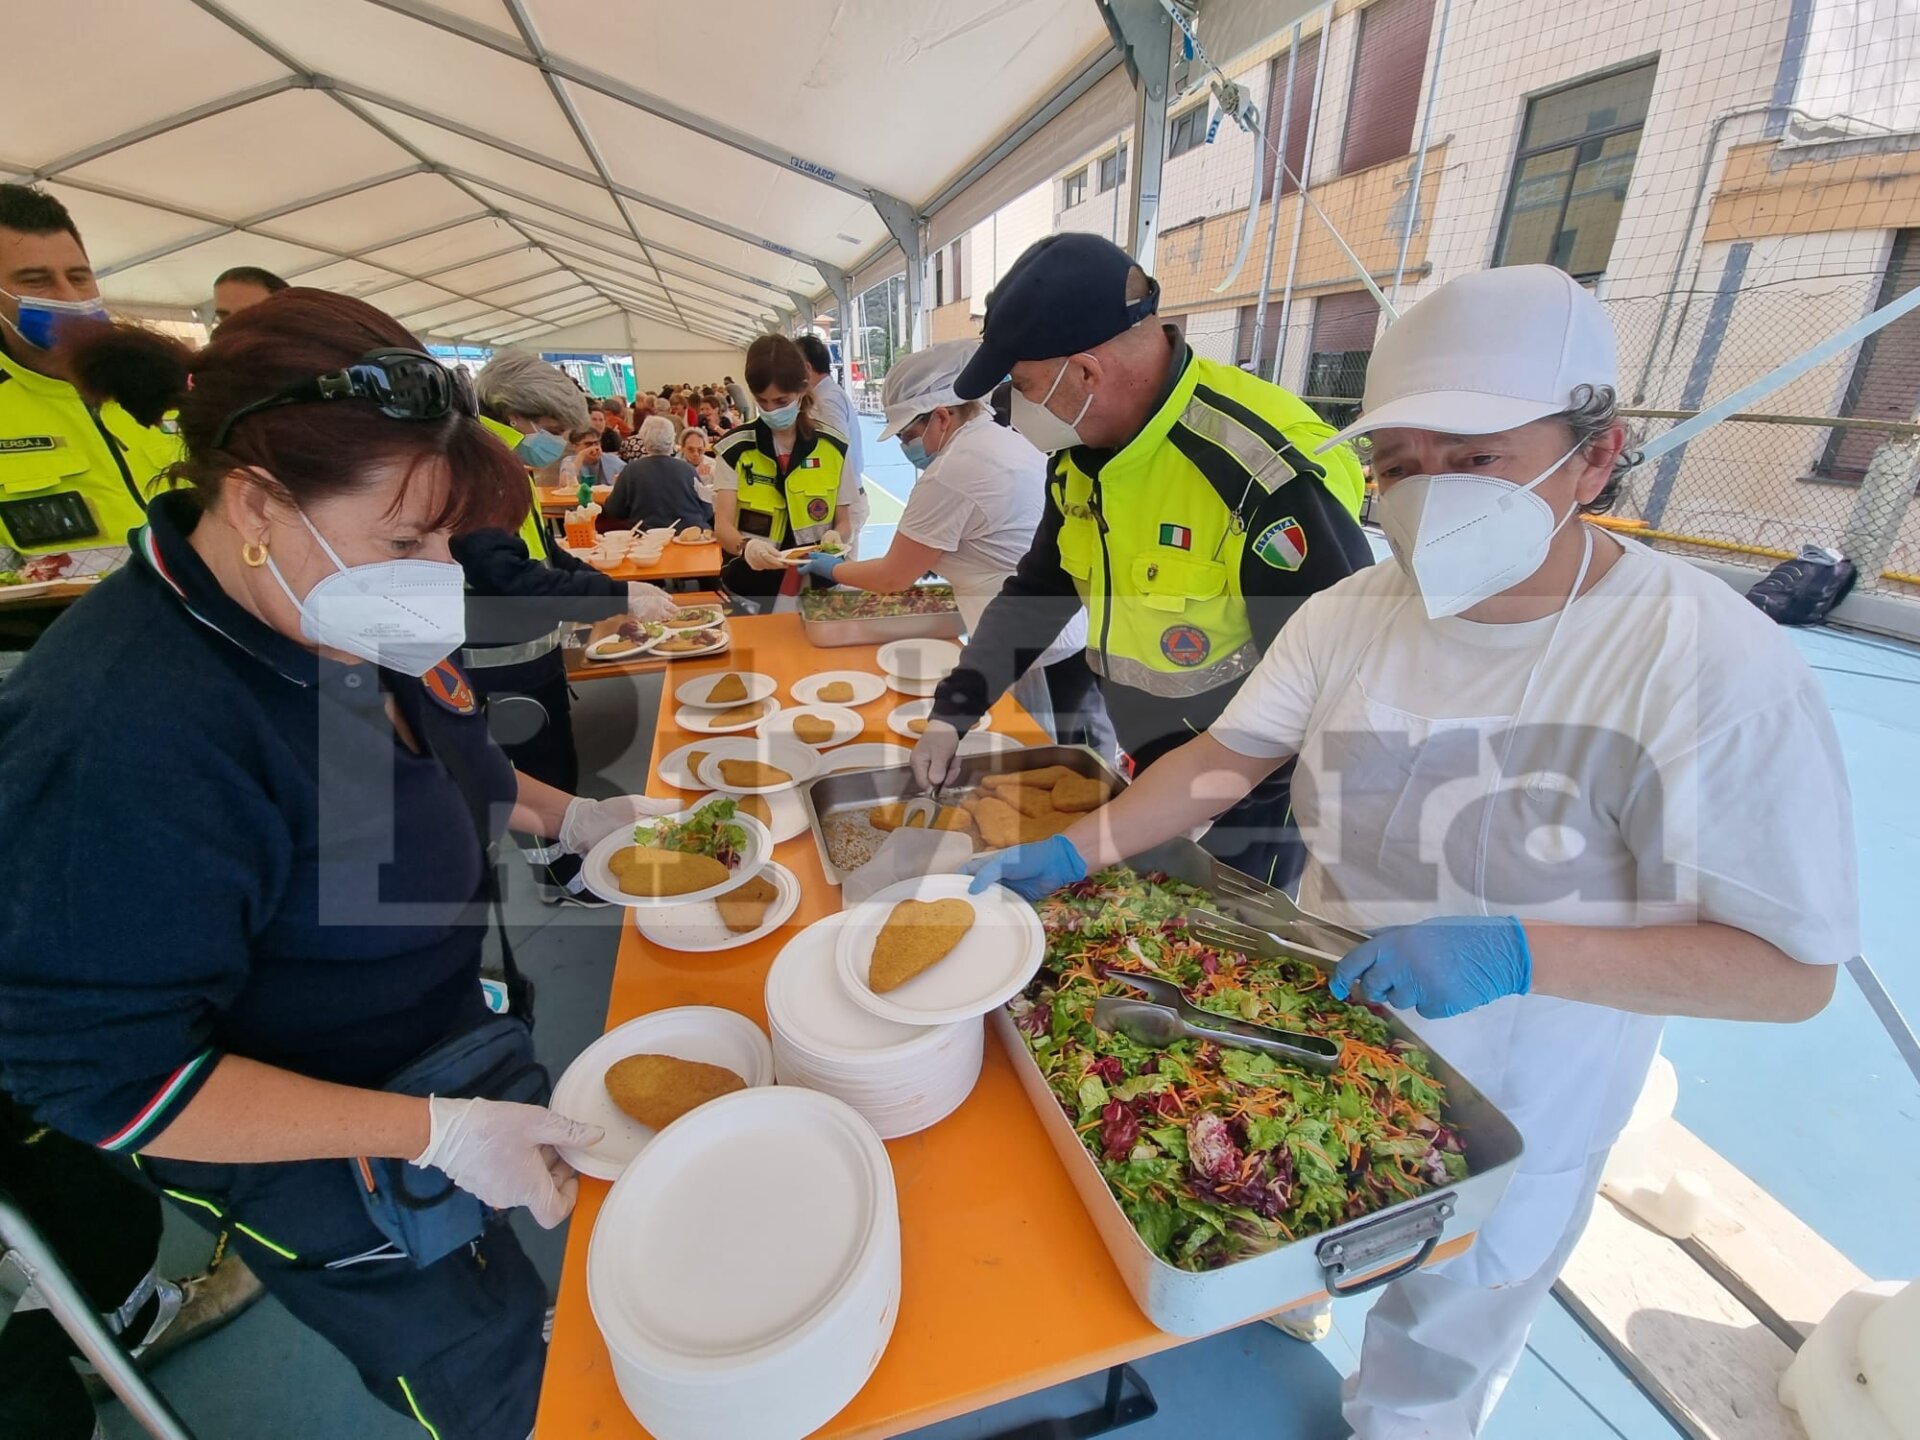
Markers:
245,948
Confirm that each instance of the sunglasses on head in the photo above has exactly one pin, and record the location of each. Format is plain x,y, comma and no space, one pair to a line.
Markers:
405,384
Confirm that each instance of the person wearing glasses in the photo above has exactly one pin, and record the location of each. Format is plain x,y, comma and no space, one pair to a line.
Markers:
244,946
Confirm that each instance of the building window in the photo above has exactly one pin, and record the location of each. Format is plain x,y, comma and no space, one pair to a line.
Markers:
1388,64
1885,384
939,278
1113,170
1343,327
960,269
1298,117
1073,189
1243,355
1571,175
1189,132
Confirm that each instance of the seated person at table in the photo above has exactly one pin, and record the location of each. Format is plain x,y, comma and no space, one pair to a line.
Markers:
658,488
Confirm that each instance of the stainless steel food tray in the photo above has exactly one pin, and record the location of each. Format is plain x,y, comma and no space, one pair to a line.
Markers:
1345,1260
880,630
863,789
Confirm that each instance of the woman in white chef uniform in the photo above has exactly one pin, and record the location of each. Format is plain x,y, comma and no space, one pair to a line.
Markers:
1571,786
971,516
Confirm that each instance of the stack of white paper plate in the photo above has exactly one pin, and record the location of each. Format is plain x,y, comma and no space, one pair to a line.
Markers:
745,1269
903,1078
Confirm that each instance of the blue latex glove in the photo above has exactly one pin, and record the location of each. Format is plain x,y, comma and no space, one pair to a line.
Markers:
1030,871
822,564
1444,966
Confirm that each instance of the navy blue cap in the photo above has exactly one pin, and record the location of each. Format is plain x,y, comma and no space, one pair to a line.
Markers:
1065,294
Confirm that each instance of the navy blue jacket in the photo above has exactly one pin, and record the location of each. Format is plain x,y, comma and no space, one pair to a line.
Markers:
653,491
219,845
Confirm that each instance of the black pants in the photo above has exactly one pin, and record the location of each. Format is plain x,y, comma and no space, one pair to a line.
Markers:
758,589
105,1224
1079,709
530,715
1258,836
455,1346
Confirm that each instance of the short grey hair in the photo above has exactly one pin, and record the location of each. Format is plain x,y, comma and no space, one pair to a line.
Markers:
655,435
1594,412
516,383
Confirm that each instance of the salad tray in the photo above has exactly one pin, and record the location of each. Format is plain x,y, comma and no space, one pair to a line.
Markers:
1346,1259
939,619
861,790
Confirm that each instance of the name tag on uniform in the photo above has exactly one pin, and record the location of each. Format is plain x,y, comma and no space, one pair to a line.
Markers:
29,444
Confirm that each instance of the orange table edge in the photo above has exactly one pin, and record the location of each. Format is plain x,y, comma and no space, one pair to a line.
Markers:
1006,1286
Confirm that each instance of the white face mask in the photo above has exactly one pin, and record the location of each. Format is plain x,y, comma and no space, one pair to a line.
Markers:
1465,538
405,615
1043,429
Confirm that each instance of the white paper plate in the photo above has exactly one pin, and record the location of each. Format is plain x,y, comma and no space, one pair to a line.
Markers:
694,692
920,710
709,615
807,1003
788,814
600,880
802,762
866,687
981,741
846,725
719,647
991,964
920,659
699,928
701,722
921,688
638,648
692,1032
798,1189
870,755
673,767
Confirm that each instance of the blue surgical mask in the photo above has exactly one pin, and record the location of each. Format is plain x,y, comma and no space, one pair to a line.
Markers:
916,452
783,418
540,449
41,320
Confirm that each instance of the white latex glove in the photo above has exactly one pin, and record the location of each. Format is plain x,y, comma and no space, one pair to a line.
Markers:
935,758
503,1154
588,822
649,602
763,555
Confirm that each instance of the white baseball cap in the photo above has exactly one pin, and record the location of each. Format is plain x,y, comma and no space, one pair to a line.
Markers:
1486,352
923,381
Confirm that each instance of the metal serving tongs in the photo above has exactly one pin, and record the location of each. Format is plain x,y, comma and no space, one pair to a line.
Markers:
1273,915
1167,1015
923,809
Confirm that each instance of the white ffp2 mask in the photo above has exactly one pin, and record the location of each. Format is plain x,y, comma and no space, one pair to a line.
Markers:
1465,538
1043,429
404,615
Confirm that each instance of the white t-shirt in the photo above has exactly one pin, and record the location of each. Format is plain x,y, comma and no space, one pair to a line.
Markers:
834,408
979,503
1674,760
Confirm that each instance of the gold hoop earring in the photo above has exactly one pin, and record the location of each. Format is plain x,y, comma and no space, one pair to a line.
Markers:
254,552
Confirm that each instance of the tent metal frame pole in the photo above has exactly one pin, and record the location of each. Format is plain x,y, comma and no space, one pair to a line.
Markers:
417,234
574,282
155,128
547,225
520,249
837,287
1143,33
909,233
244,225
637,99
611,258
531,39
1301,182
1420,155
614,284
1276,184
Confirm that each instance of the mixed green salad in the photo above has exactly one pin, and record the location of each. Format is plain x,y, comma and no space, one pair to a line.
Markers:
870,605
1216,1154
709,830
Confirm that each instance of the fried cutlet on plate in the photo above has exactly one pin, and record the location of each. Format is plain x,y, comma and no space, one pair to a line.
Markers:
814,729
648,871
745,908
657,1090
836,692
752,774
727,690
739,715
916,935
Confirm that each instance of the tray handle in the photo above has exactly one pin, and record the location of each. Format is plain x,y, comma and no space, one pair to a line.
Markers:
1355,1251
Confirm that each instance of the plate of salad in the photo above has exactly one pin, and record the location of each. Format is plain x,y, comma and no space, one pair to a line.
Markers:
1216,1155
713,831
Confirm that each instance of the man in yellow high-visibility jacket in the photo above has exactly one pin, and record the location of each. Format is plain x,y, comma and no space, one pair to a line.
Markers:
74,477
1187,514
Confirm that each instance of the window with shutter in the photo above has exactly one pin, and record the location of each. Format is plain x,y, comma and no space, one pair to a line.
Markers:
1885,384
1298,114
1343,327
1388,65
1073,189
1187,131
1577,151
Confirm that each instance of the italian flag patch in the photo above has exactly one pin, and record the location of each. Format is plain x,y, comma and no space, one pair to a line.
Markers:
1177,537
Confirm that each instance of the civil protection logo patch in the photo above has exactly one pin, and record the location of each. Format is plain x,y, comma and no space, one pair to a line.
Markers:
816,509
449,688
1185,645
1282,544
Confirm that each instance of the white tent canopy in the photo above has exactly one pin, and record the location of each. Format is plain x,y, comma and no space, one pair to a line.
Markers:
493,171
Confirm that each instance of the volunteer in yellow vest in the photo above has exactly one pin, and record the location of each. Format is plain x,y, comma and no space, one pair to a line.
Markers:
74,477
782,481
1185,512
522,591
